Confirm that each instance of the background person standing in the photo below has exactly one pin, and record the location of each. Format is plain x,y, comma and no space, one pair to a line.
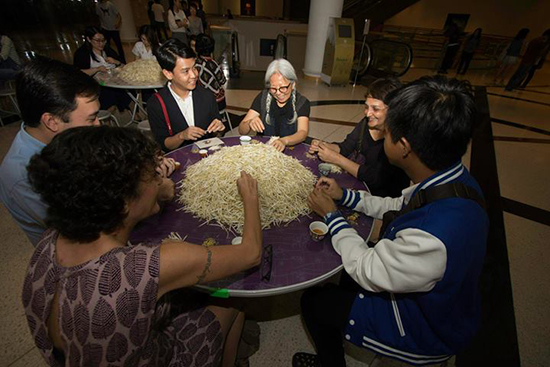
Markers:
158,11
531,57
177,21
110,21
468,53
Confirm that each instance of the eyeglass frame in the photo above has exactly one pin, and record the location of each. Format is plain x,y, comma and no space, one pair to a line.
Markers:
267,258
104,40
280,89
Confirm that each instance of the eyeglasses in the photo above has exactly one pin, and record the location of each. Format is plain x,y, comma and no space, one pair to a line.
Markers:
99,40
282,89
267,263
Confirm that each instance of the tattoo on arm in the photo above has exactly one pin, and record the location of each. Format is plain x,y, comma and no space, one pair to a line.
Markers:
206,270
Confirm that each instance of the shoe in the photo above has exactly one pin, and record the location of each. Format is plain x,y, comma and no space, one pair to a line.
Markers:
301,359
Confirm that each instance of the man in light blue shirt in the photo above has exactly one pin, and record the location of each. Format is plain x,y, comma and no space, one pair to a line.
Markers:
53,97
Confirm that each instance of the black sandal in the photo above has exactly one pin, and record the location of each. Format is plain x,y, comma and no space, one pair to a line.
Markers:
301,359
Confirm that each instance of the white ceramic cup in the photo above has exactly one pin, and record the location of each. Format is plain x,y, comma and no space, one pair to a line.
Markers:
318,230
203,153
245,139
324,169
237,240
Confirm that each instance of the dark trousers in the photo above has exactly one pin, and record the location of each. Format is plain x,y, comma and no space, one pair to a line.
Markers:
518,77
114,97
464,62
532,71
158,27
325,311
115,36
449,57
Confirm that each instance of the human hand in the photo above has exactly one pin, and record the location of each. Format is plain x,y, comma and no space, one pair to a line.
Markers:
331,187
111,60
247,186
166,167
326,154
215,126
256,125
279,144
167,190
314,148
192,133
320,202
101,69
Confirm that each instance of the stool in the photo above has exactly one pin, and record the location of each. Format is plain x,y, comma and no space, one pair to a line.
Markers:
106,117
144,126
10,93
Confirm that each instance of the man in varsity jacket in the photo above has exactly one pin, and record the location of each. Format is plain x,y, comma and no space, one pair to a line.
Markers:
182,111
416,298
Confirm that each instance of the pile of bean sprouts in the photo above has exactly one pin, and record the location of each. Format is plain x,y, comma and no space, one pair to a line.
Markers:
209,189
141,72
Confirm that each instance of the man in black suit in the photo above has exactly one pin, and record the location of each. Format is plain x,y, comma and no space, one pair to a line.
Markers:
182,111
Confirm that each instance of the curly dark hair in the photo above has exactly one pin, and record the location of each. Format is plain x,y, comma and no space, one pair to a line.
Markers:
87,175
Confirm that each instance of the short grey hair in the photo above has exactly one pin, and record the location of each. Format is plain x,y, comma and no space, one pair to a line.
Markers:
282,67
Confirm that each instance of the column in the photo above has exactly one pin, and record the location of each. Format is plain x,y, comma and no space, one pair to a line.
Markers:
319,13
128,31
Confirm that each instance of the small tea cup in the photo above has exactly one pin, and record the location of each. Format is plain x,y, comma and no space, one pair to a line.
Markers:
245,139
203,153
324,169
318,230
237,240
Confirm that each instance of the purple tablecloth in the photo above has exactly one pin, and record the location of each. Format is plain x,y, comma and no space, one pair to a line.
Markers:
297,262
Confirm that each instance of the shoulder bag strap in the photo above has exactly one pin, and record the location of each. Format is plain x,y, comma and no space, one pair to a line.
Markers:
165,112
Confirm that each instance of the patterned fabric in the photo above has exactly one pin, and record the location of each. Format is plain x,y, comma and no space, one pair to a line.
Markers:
211,76
109,314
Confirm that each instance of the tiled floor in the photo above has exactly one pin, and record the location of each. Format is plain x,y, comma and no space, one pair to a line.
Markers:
524,175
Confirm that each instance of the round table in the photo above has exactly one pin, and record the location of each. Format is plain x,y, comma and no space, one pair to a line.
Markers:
297,261
112,80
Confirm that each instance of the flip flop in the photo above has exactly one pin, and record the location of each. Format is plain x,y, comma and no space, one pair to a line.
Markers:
305,360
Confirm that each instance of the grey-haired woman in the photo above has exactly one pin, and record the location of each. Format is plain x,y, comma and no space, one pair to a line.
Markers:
279,110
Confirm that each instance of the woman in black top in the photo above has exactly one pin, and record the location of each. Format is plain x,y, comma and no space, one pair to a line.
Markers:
362,152
96,56
279,110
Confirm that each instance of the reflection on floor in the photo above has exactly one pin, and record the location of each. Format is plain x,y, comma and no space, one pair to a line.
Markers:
521,123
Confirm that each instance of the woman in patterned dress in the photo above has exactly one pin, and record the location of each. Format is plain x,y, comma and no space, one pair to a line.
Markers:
93,299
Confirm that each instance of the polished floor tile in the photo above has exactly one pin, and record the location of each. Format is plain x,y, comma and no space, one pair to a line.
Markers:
529,258
524,172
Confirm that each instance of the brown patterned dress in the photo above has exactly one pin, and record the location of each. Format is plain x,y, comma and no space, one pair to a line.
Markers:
109,314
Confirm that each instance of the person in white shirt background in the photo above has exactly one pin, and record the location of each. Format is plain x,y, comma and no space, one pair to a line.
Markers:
177,21
158,17
110,21
148,44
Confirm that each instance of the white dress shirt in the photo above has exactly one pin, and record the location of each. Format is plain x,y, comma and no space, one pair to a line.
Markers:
185,105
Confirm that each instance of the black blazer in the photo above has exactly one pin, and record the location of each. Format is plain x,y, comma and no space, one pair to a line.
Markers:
205,110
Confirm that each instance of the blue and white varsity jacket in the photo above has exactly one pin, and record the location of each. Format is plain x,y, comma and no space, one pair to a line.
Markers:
421,302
